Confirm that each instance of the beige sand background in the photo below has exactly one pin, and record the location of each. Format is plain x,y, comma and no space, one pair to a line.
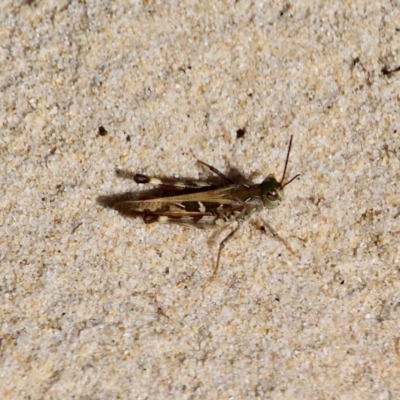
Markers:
98,306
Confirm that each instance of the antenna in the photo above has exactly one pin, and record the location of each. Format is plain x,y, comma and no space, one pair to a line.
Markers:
286,164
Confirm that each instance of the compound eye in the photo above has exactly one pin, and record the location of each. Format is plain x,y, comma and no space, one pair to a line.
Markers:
273,196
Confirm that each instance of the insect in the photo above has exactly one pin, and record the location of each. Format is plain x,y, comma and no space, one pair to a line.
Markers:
204,204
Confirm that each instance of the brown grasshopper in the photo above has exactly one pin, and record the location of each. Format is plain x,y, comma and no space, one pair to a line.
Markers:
203,204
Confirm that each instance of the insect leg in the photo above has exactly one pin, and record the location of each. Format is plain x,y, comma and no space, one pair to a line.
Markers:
164,183
172,183
219,173
268,227
221,246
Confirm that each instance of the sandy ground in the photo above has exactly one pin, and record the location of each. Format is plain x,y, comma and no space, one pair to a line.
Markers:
95,305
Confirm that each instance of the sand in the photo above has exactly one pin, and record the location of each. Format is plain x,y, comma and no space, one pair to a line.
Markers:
95,305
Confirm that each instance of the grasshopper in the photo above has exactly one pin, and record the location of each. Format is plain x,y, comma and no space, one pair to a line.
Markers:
204,204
